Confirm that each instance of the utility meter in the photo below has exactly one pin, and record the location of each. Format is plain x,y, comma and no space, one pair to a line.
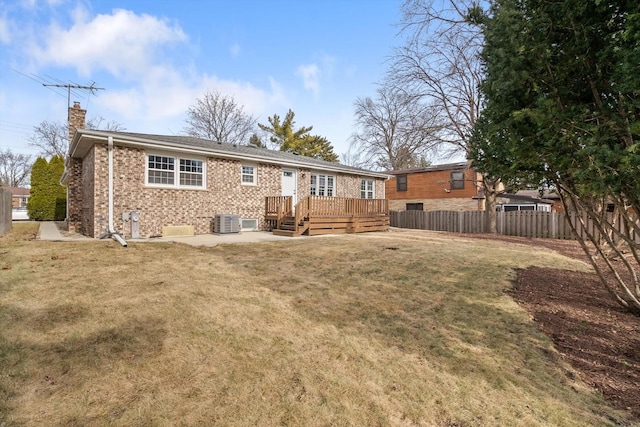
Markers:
135,225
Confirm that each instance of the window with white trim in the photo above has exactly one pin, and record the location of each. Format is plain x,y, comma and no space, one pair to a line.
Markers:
191,173
161,171
323,185
367,189
249,175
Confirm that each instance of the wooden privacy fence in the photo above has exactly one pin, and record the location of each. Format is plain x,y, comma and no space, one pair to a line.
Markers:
518,223
5,210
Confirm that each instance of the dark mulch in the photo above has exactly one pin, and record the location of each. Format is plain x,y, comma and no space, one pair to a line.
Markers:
593,332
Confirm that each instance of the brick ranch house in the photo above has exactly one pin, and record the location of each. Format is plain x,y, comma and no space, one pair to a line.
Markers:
451,187
182,182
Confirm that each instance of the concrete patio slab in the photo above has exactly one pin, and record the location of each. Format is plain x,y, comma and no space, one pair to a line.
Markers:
49,231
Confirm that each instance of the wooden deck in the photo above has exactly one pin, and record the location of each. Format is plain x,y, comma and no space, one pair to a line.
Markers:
316,215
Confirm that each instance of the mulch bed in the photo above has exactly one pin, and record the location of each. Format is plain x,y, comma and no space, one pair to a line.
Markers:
591,331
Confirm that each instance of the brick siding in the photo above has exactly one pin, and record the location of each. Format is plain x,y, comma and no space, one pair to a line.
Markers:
433,189
75,181
161,207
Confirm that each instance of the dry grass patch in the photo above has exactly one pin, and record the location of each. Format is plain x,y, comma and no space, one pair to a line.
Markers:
400,328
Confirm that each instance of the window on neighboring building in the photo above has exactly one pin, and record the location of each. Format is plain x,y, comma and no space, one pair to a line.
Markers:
367,189
322,185
249,175
457,180
415,206
162,171
401,183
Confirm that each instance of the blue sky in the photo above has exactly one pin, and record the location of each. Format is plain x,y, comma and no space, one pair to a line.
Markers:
155,58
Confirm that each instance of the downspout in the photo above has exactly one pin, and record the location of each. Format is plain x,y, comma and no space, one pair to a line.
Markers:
110,154
111,232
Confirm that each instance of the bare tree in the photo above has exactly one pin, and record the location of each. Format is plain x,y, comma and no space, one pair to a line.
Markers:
14,169
395,131
353,157
440,61
219,118
100,123
52,138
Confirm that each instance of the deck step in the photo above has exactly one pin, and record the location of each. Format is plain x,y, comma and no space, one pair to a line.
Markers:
286,233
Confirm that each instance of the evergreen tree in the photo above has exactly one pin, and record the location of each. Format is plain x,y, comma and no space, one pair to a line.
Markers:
563,109
299,141
48,198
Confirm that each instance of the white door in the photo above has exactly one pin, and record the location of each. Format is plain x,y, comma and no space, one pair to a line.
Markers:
289,184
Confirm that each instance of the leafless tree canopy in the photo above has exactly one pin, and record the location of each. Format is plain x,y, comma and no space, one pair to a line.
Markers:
52,138
353,157
14,169
100,123
219,118
395,131
440,62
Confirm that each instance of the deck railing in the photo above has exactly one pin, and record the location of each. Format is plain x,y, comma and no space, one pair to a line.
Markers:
343,206
302,210
327,215
277,207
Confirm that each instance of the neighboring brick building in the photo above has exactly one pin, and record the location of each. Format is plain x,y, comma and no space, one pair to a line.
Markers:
453,186
185,182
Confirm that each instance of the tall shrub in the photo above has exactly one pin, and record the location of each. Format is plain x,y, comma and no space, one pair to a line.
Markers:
48,200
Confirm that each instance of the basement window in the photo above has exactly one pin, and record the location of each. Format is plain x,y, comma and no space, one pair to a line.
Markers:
249,224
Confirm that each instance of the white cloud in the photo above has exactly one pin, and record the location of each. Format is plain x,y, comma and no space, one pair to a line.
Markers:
34,4
122,43
166,94
152,90
310,77
28,4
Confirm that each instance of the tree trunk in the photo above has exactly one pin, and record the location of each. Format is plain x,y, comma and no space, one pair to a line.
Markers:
490,197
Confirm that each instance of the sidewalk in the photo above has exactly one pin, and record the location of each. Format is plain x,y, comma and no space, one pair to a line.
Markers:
49,231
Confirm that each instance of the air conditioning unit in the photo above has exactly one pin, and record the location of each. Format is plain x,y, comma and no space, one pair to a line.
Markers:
226,223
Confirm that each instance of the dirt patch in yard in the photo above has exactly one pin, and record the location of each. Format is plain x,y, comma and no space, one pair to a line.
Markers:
593,333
